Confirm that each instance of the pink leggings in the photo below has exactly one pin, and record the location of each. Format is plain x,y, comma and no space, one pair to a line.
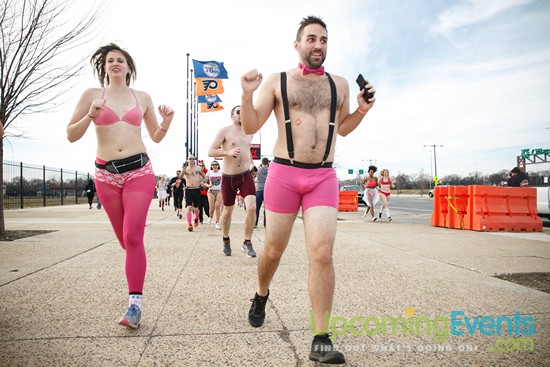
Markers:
127,208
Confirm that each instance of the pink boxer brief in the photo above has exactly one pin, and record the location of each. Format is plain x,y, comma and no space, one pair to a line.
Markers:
287,187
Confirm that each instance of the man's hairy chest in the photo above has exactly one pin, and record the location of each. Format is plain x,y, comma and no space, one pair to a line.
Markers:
310,96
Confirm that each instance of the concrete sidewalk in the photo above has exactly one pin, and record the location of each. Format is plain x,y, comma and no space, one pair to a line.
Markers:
62,293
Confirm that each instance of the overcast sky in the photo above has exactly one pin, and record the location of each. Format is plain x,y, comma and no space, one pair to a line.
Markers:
473,76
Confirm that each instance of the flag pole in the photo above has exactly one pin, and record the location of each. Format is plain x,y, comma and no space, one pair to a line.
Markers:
196,120
187,114
192,125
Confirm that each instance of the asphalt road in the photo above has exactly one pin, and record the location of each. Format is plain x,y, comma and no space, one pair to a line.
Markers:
408,209
411,209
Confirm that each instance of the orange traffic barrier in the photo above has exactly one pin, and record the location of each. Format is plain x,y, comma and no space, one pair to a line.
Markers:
494,208
457,197
441,207
347,201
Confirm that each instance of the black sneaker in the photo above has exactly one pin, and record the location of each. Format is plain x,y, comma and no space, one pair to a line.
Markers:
380,215
323,351
247,249
256,314
227,247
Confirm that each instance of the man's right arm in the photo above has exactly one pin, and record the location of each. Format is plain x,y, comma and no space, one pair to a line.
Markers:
254,115
216,147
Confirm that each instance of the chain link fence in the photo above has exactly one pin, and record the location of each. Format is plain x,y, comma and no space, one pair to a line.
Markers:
27,185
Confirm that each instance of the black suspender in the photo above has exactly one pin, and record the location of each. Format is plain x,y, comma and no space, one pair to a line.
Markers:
288,126
332,116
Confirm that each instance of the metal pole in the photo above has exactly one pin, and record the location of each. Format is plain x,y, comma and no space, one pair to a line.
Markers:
435,163
192,125
431,170
196,119
44,185
75,186
187,114
435,156
62,191
21,185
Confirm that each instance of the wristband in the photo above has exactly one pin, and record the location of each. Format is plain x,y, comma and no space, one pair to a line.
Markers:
361,112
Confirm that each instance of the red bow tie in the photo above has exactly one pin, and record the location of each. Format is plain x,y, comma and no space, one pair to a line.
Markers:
307,70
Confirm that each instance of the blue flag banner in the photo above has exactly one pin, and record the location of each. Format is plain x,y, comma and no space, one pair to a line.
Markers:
209,69
208,98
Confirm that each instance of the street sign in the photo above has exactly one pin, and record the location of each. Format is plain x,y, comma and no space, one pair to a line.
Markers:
350,171
361,171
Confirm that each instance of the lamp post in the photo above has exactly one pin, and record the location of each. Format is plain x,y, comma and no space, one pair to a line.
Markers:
370,161
435,156
431,169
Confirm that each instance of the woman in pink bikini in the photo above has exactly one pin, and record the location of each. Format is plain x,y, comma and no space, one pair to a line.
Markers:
385,185
124,177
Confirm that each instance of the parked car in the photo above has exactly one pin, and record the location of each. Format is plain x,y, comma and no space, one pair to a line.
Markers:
543,202
357,188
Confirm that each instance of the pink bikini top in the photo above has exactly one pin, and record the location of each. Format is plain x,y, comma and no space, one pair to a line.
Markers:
108,117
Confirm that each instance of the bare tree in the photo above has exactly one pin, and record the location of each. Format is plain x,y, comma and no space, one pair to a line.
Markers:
36,49
422,181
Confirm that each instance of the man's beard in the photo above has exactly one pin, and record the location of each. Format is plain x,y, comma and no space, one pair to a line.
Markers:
312,64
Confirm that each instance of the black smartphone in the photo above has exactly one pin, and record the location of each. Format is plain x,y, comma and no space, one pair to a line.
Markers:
361,83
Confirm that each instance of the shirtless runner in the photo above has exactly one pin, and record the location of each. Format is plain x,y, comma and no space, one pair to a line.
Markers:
233,145
311,107
193,175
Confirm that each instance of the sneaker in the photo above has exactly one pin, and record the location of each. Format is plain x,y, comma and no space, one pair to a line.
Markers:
190,228
256,314
218,226
247,249
180,215
196,223
365,214
131,318
227,247
389,219
209,221
323,351
374,219
380,215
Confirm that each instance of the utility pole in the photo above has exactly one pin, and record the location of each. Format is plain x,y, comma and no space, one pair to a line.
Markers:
370,161
431,169
435,157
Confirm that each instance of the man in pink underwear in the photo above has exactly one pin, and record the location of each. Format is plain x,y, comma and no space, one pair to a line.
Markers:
310,107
